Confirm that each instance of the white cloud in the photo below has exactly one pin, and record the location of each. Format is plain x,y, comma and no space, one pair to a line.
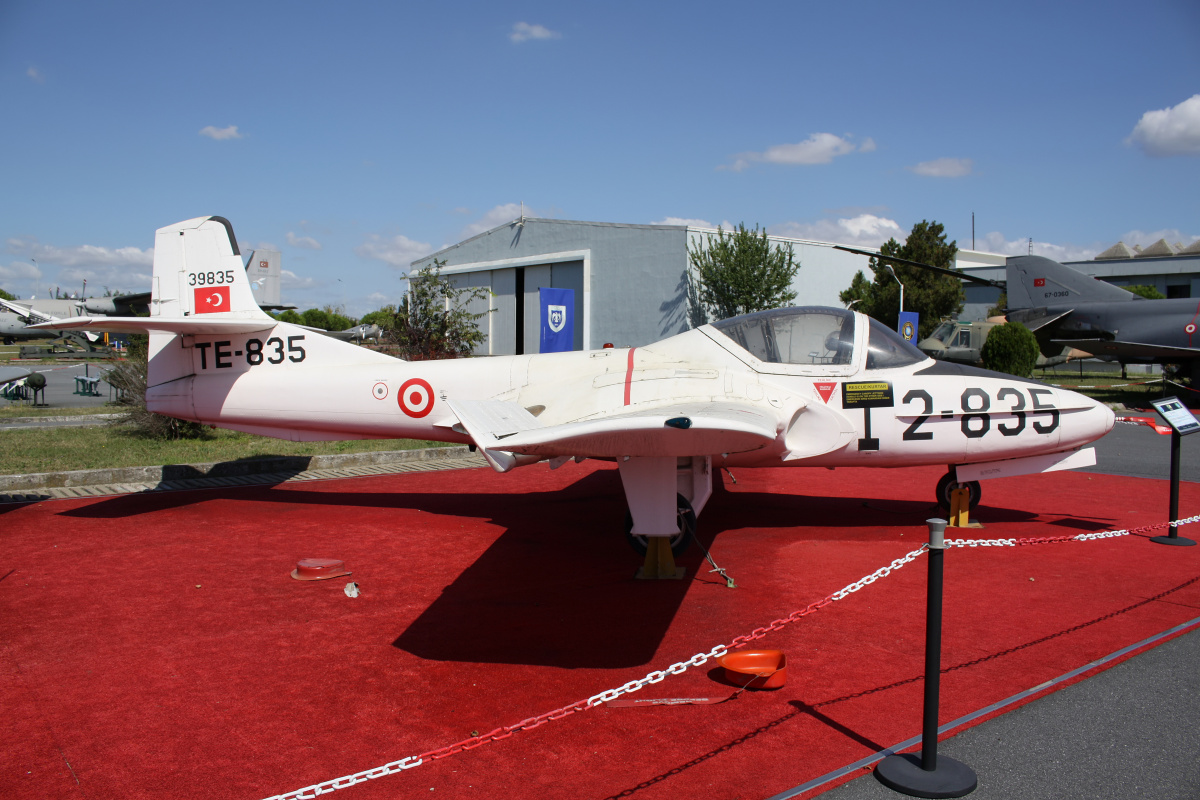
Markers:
307,242
944,168
220,134
397,251
693,223
819,148
34,74
1145,239
82,255
523,32
996,243
864,230
1170,131
20,278
290,280
498,216
116,278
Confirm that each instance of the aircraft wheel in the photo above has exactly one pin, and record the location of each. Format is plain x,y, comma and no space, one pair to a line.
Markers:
680,542
948,484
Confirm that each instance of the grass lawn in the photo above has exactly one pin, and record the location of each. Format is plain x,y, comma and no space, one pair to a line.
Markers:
96,447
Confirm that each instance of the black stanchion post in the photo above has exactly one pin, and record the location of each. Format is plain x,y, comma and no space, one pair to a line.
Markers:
929,776
1173,537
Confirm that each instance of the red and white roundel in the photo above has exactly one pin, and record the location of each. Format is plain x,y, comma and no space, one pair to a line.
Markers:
416,397
379,390
1190,328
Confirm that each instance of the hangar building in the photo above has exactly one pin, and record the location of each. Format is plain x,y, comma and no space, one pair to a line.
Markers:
630,281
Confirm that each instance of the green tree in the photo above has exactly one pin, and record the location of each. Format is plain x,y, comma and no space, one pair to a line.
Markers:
1148,292
433,321
739,273
7,296
932,295
1000,307
1010,348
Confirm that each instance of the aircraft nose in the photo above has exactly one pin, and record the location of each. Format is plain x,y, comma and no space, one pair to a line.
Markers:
1092,422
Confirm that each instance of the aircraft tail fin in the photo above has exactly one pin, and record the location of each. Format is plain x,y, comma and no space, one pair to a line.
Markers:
265,270
1034,282
198,270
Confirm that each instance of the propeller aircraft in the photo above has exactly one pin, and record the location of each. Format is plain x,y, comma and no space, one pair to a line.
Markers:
805,387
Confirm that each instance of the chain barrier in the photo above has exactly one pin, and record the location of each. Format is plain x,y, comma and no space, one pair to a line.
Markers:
678,668
698,660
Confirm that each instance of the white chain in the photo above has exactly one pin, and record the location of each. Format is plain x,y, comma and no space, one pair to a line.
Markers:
678,668
882,572
1187,521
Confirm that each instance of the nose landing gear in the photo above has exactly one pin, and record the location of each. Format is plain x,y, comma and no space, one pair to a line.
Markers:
949,483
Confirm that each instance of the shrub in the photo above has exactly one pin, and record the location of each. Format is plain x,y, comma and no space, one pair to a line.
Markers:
1010,348
130,377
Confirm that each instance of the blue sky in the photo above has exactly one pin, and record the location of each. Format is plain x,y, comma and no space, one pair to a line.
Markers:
358,136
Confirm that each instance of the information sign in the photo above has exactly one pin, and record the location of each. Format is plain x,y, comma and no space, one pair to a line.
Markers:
1177,415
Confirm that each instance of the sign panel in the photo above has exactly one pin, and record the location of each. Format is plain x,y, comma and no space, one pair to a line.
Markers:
558,320
1177,415
876,394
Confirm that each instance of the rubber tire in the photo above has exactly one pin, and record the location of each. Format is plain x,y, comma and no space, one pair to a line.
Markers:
680,542
948,484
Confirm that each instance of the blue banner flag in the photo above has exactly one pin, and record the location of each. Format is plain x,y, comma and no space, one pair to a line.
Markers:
908,325
558,320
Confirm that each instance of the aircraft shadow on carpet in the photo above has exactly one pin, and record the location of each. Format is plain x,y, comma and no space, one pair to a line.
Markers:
554,588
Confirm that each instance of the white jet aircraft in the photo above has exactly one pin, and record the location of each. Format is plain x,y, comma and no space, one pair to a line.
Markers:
811,387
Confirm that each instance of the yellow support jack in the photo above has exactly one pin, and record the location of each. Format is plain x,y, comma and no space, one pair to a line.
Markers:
660,561
960,509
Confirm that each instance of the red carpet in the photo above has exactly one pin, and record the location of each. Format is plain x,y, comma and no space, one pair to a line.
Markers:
156,646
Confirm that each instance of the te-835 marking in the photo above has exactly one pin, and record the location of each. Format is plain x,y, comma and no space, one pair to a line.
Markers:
273,351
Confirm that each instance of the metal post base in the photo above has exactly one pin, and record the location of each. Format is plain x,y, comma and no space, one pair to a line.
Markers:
1181,541
903,773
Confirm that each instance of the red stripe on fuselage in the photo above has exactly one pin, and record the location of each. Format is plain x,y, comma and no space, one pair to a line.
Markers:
629,375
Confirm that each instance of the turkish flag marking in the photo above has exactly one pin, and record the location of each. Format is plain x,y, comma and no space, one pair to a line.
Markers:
211,299
1039,281
825,389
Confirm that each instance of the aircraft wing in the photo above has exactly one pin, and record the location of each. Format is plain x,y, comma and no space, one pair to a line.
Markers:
26,312
1103,347
9,374
502,429
194,325
1036,319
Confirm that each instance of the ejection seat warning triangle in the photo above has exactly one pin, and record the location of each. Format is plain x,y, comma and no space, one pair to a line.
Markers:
825,389
867,395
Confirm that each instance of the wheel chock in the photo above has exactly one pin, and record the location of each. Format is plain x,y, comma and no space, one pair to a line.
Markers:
660,561
960,509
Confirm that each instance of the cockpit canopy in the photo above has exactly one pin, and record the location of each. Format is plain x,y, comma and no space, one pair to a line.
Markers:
813,336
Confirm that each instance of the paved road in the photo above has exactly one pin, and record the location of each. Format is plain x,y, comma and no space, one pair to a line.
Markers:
1139,452
1128,732
60,385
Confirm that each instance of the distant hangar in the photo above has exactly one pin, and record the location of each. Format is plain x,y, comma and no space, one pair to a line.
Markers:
630,281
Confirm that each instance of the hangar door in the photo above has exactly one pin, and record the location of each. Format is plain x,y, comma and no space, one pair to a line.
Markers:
513,328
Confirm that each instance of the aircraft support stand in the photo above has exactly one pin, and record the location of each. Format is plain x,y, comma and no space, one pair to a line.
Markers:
927,775
1173,537
960,509
660,561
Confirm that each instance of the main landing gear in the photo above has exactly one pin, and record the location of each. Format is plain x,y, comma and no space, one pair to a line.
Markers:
949,483
665,495
680,542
